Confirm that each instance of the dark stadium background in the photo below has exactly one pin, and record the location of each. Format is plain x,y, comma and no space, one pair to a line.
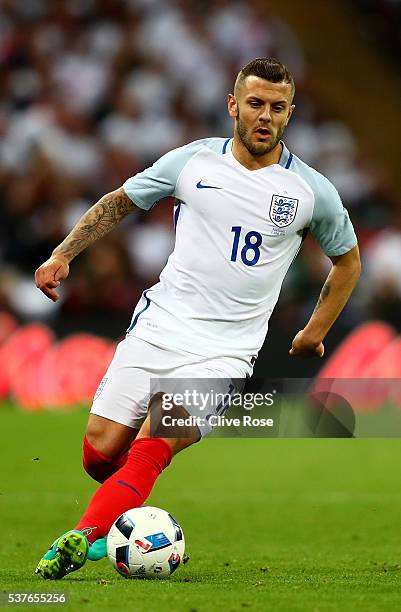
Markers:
92,91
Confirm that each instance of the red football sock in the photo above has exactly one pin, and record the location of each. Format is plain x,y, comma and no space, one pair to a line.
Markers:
98,465
128,488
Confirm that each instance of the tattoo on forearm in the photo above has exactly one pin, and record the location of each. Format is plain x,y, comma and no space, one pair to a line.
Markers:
97,222
323,295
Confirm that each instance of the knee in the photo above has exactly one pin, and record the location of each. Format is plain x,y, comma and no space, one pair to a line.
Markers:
96,437
109,438
105,447
177,436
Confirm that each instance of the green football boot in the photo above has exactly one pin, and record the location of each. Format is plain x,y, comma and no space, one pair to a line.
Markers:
69,553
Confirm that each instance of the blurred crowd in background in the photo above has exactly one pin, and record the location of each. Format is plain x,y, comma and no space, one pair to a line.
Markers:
380,24
93,91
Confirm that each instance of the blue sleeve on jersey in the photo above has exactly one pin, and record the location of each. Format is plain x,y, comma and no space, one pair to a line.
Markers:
159,181
330,222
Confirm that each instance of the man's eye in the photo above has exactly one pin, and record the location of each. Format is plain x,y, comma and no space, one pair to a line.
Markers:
255,104
279,109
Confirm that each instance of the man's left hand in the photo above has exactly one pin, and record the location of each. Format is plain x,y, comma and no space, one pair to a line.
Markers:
304,346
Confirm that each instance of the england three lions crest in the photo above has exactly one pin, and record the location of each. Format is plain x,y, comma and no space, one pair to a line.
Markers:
283,210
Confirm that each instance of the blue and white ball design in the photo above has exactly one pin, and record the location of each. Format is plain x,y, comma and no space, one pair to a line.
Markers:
145,542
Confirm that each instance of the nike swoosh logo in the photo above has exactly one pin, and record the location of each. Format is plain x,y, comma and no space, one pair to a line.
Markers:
126,484
200,186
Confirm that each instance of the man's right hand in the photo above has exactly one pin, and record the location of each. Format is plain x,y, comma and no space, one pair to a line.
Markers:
49,275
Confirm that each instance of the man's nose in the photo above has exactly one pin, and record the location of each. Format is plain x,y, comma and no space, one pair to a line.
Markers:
265,116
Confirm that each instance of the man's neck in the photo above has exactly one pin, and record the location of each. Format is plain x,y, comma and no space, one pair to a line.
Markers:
249,161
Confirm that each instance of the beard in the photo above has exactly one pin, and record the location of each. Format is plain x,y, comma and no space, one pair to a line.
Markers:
257,149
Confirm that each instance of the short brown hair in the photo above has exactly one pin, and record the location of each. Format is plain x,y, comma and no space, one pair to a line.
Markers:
268,68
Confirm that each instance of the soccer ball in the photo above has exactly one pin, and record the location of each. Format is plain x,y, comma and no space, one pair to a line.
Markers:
145,542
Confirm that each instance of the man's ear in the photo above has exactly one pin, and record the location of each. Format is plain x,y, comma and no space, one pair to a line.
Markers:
292,108
232,106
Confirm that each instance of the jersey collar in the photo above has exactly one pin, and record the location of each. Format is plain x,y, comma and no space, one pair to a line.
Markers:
286,157
284,161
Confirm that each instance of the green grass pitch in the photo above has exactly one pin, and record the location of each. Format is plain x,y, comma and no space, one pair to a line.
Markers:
276,525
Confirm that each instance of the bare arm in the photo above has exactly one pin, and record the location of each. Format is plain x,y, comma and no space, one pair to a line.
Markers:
98,221
336,291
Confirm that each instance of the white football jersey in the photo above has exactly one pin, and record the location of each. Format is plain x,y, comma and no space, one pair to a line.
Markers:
237,232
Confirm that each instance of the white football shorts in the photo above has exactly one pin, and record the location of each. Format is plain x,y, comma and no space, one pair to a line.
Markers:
140,369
